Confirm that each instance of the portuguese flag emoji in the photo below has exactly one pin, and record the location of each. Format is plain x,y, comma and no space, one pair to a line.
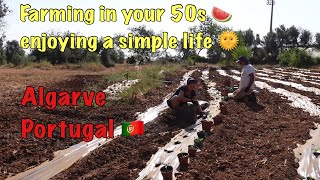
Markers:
132,128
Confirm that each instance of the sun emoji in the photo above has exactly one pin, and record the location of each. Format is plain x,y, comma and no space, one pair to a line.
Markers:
228,40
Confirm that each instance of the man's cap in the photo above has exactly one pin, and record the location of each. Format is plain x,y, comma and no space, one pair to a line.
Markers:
191,81
243,58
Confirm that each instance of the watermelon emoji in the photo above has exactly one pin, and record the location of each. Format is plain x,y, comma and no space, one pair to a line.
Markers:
220,15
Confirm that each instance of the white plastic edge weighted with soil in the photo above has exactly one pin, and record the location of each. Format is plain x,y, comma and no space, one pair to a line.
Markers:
307,71
167,155
292,75
116,88
282,76
309,166
65,158
300,73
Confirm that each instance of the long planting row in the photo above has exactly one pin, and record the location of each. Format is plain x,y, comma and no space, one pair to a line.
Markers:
256,141
289,76
124,158
299,71
21,154
294,86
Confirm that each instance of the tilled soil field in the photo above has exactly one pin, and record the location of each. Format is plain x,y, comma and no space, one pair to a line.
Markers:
255,141
315,98
294,79
123,158
18,154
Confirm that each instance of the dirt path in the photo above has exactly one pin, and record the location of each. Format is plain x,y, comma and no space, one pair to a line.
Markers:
254,145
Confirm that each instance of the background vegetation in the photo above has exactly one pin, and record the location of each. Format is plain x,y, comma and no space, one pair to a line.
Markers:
287,46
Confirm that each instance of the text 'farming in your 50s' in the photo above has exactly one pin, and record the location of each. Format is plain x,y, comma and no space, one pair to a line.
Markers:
52,98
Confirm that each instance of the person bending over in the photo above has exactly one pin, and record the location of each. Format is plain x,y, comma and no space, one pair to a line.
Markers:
185,94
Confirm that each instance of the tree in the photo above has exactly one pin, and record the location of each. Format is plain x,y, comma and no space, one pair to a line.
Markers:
257,41
293,34
4,10
281,37
106,57
195,30
305,38
248,37
317,39
211,29
184,53
143,32
14,52
271,47
2,53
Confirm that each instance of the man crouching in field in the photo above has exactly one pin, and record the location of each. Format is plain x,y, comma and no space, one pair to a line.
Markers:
185,94
247,86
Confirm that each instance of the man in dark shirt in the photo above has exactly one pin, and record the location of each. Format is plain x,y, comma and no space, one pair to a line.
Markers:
184,95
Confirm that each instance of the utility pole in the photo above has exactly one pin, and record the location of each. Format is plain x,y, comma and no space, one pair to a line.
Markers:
271,2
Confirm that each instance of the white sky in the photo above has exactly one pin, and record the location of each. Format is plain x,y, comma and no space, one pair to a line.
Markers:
254,14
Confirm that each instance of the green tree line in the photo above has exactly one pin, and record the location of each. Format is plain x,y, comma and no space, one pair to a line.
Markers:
285,45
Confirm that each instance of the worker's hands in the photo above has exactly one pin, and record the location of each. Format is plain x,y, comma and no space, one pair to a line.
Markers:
236,92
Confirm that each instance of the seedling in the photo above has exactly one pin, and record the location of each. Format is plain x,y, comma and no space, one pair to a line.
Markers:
198,142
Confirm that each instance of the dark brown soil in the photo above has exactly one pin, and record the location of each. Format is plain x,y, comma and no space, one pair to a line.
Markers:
123,158
254,141
18,154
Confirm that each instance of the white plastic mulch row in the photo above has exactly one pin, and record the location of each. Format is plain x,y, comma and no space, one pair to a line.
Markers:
65,158
292,84
298,100
282,76
116,88
309,165
167,155
306,71
293,74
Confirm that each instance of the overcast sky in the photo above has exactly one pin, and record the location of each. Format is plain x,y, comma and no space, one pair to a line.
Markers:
254,14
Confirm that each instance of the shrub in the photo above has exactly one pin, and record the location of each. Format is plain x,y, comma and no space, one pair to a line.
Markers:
258,56
198,58
131,60
106,58
296,58
17,59
190,61
92,57
28,60
228,62
44,65
241,51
